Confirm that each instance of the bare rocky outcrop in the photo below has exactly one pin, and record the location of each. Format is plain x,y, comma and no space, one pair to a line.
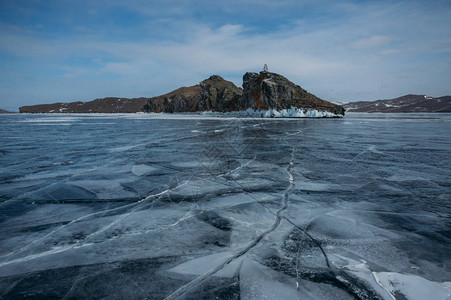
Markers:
180,100
266,90
262,91
218,94
212,94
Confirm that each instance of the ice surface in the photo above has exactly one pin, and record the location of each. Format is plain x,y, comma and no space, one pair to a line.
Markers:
142,169
260,282
413,287
204,264
205,206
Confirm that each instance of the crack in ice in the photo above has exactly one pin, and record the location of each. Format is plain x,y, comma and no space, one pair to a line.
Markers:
180,291
58,249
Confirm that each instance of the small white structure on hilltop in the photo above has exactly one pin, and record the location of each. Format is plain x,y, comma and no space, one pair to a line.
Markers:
265,68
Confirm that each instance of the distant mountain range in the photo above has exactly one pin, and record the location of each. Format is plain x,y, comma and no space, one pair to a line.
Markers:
103,105
404,104
268,94
2,111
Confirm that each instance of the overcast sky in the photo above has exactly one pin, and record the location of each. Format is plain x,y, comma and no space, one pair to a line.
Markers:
61,51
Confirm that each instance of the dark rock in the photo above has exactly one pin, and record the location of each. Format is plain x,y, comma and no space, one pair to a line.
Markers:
270,90
180,100
218,94
212,94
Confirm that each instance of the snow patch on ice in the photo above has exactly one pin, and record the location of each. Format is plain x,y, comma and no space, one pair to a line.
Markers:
360,269
390,284
412,287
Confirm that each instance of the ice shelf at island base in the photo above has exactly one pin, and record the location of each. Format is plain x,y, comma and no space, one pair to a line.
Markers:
292,112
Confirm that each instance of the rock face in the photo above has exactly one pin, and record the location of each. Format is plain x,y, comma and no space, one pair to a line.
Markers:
272,91
404,104
212,94
180,100
264,91
219,95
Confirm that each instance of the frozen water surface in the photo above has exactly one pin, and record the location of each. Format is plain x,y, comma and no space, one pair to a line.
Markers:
224,207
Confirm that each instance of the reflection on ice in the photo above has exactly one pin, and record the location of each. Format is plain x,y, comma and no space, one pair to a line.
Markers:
199,207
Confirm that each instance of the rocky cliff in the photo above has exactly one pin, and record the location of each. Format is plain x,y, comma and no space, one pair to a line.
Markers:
268,90
261,92
212,94
219,95
404,104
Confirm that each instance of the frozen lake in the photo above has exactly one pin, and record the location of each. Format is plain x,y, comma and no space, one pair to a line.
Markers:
206,207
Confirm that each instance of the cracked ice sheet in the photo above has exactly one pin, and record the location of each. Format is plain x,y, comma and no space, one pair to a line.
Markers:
341,229
22,230
138,229
350,197
356,228
115,238
237,199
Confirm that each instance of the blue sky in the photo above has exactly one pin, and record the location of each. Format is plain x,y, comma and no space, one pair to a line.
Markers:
64,50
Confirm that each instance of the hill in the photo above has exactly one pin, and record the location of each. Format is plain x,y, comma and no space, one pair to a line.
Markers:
404,104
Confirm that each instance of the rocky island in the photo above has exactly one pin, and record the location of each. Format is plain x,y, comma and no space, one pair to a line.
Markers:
263,94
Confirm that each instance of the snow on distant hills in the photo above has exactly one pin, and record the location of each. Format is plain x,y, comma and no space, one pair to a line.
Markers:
404,104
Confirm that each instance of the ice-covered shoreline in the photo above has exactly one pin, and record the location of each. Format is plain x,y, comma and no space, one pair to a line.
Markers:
293,112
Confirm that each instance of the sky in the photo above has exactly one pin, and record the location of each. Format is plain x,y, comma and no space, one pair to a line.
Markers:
73,50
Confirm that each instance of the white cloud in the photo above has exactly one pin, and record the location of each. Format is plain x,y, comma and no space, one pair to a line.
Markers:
372,41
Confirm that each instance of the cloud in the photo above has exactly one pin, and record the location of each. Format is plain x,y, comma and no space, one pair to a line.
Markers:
372,41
